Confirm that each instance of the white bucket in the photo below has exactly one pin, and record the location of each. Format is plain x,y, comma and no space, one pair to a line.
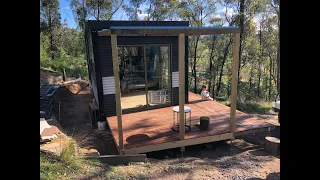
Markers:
101,125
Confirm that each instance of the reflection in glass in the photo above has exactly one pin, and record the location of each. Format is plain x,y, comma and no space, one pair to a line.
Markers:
132,77
144,80
158,74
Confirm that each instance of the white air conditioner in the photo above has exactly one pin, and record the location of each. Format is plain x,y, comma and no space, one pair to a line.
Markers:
158,97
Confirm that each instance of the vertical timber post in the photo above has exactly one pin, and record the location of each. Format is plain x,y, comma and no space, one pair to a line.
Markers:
114,48
181,87
234,83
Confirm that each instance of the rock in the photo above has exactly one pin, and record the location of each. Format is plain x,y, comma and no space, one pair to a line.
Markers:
89,152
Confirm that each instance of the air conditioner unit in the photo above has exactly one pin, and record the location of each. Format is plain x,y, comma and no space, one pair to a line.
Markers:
158,97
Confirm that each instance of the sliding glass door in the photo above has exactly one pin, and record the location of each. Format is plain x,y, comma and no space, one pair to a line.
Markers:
132,77
145,76
158,75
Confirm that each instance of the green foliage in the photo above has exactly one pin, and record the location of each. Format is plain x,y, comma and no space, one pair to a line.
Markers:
257,107
97,9
259,75
73,65
156,10
80,12
70,54
44,48
100,9
49,16
259,53
133,9
68,155
159,10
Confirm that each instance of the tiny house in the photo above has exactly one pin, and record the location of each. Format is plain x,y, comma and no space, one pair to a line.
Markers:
148,67
135,66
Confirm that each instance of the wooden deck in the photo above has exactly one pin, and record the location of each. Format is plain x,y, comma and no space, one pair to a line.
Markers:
150,130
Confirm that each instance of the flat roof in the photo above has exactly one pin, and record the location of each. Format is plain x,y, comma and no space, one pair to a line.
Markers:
169,30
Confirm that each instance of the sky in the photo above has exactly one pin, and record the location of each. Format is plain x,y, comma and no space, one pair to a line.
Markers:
66,13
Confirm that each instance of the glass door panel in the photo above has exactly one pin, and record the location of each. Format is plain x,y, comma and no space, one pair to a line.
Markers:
132,77
158,75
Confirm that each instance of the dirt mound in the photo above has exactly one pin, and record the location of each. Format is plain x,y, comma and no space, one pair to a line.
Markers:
78,86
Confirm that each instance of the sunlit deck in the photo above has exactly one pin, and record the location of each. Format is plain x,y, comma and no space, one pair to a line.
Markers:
148,131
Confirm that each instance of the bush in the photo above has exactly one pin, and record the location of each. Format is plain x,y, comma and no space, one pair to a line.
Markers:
68,154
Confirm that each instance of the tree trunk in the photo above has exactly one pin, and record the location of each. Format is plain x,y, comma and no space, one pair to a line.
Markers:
265,82
278,68
241,22
278,49
225,55
211,69
213,83
274,73
270,79
250,79
148,12
64,75
259,81
210,72
51,36
194,64
260,59
278,56
98,10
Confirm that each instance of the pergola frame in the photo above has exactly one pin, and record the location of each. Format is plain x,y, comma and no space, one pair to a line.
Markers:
114,31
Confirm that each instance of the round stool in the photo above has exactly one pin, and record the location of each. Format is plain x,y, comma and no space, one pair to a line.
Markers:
176,122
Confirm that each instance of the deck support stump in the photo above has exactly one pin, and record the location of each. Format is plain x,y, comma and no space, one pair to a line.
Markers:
204,122
231,143
272,145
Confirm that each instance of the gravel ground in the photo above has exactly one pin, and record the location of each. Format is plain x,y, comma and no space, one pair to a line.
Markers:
75,120
245,160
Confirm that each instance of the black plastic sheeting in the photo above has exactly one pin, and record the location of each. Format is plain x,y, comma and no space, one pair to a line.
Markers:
46,107
46,92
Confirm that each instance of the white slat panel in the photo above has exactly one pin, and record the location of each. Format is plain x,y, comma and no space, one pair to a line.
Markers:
108,85
175,79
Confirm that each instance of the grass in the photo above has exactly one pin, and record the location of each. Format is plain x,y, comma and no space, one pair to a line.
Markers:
252,107
205,164
182,168
60,167
68,155
52,167
141,171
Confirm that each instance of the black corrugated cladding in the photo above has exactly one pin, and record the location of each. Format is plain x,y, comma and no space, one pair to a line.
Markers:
93,71
103,55
97,57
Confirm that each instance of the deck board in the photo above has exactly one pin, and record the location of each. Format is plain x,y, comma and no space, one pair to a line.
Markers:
154,126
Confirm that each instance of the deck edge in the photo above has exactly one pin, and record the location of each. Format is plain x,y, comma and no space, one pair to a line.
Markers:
114,139
180,143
